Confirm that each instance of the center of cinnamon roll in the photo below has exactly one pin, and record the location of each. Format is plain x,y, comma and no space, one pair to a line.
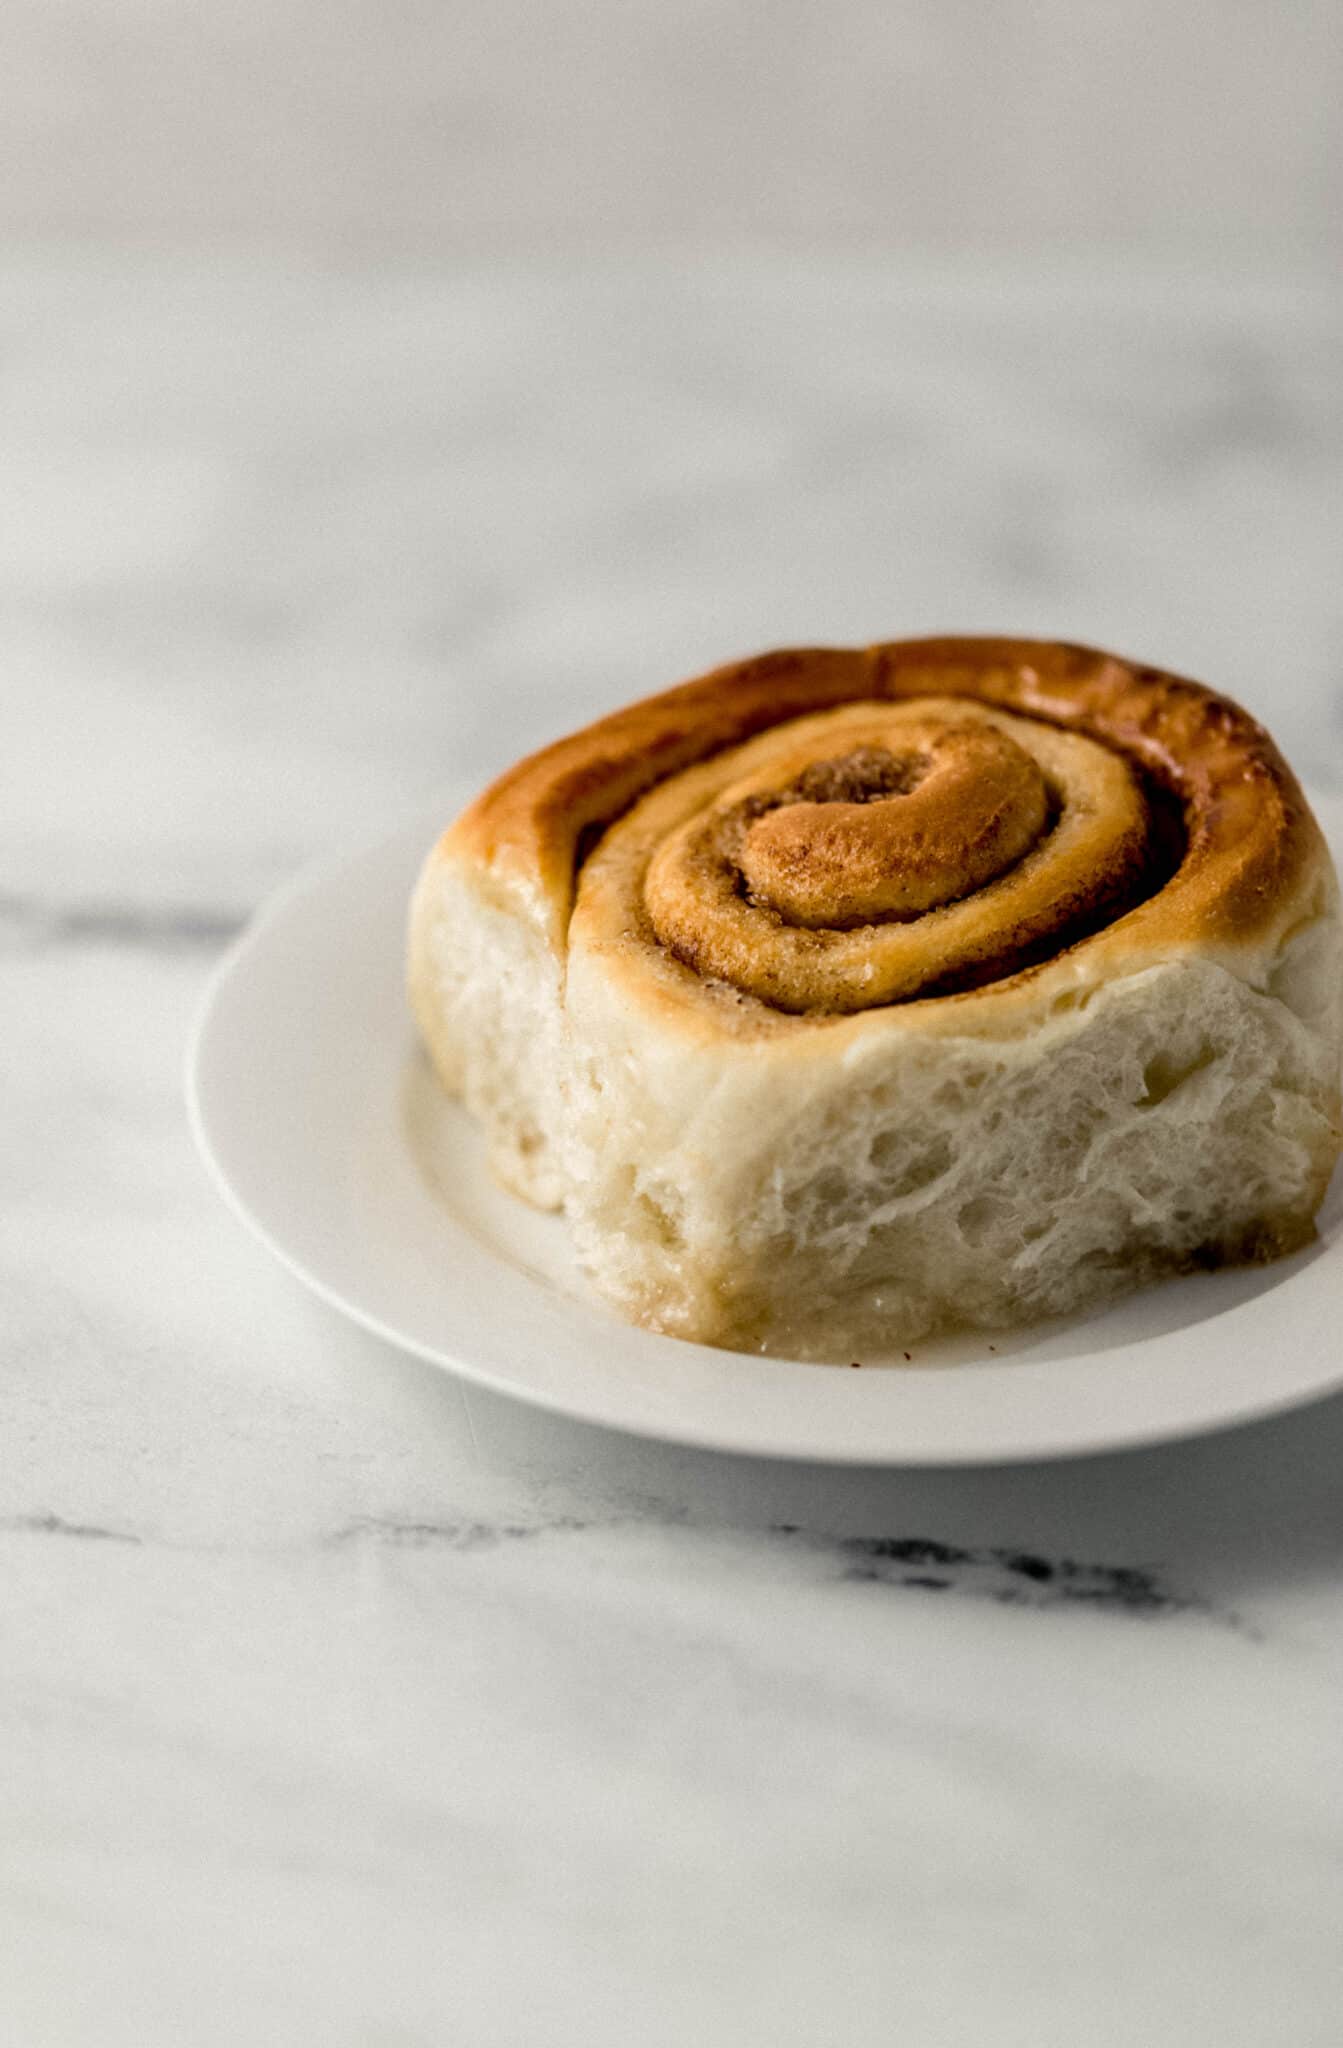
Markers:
875,853
876,835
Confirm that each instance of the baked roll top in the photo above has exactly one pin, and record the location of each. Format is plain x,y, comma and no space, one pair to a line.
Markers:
830,832
843,996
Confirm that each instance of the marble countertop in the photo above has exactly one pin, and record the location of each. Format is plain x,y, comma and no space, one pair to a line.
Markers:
339,1705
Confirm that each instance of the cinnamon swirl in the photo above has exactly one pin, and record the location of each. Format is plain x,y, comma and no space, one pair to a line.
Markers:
839,996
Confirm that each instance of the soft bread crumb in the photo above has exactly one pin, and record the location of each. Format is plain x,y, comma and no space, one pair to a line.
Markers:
1178,1120
1172,1119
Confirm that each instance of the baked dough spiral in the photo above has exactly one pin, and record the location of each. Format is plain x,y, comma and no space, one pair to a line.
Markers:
843,994
831,831
873,854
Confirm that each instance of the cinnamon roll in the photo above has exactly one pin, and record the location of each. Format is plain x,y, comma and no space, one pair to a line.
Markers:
844,995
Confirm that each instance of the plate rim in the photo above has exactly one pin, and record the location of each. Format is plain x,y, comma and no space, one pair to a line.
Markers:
318,874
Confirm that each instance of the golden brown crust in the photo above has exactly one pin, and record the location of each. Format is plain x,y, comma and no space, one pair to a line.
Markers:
1024,839
1251,856
832,847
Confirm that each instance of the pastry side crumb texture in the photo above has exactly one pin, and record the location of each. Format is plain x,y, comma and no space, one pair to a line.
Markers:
1177,1119
1152,1099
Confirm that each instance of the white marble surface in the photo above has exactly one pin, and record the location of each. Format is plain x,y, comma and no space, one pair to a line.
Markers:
1208,129
338,1707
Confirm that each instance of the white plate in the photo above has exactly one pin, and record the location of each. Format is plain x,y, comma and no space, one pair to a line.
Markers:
327,1133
